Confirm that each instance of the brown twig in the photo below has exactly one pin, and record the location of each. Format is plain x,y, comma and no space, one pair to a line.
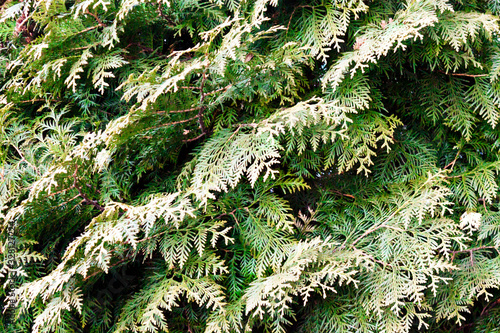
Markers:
23,22
59,192
26,161
471,252
173,123
484,312
89,201
82,48
488,307
88,29
469,75
178,111
452,163
86,199
484,202
474,249
142,47
291,16
96,17
345,195
202,98
218,90
452,177
463,74
65,202
194,139
230,213
465,326
39,100
190,87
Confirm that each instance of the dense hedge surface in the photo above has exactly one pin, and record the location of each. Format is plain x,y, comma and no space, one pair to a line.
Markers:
265,166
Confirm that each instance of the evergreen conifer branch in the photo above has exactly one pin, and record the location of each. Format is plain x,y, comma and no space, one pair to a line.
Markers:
321,166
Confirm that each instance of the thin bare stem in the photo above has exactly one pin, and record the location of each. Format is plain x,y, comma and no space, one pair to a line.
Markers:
344,194
86,199
173,123
178,111
23,159
452,163
96,18
202,98
291,16
195,138
39,100
88,29
190,87
475,249
65,202
219,90
464,74
489,307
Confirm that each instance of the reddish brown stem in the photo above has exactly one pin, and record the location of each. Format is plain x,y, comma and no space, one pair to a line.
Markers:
96,18
178,111
194,139
173,123
463,74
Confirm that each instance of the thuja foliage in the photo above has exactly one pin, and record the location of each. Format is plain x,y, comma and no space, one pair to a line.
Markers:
264,166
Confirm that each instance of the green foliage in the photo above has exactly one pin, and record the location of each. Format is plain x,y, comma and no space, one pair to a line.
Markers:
267,166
